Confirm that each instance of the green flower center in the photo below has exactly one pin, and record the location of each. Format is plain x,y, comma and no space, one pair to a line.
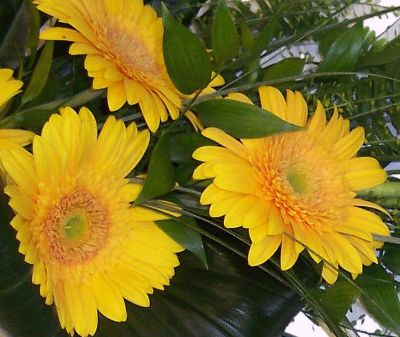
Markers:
75,227
298,181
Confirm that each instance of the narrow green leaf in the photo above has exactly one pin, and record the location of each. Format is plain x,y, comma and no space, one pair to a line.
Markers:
40,74
262,42
380,296
160,175
385,56
240,119
247,39
338,299
186,58
224,35
345,52
182,231
33,38
285,68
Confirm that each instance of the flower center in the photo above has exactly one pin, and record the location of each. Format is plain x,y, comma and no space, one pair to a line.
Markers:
77,227
301,180
74,227
298,181
129,53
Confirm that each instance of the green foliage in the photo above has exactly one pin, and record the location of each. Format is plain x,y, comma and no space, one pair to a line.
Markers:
285,68
380,296
240,119
224,35
338,299
345,52
187,61
40,74
351,69
184,230
160,175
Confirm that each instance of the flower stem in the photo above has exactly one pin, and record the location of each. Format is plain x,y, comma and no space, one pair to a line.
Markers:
388,193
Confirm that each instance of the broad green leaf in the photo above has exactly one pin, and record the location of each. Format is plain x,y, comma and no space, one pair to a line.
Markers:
40,74
345,52
160,175
183,145
186,58
240,119
391,259
285,68
338,299
182,230
379,296
224,35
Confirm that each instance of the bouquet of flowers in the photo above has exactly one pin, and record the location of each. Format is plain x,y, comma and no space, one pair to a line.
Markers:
197,168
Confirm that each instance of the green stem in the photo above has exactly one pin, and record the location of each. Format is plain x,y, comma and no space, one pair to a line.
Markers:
390,189
388,194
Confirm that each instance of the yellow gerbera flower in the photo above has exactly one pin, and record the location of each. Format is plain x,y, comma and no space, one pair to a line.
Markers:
296,190
9,87
123,43
89,248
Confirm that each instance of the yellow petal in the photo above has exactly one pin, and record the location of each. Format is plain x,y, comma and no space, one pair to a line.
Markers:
237,96
273,101
116,96
289,254
318,121
263,250
235,216
63,34
330,273
360,180
225,140
108,299
297,110
348,146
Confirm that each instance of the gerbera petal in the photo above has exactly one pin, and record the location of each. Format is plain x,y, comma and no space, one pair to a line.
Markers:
273,101
235,216
263,250
116,96
289,254
318,121
348,146
237,96
330,273
225,140
297,110
360,180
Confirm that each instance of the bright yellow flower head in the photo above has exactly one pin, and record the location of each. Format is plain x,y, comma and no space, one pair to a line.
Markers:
9,87
296,190
123,43
89,248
